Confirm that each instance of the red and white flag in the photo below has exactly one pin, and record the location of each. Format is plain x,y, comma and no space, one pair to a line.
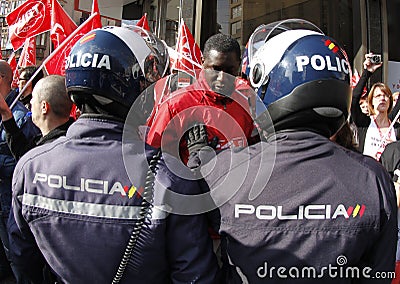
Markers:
13,64
97,20
143,23
29,19
354,80
28,53
55,63
61,24
189,54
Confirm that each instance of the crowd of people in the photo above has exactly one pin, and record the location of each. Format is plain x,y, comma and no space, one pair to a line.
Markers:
278,174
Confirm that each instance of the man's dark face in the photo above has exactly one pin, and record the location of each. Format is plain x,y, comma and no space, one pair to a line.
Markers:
220,70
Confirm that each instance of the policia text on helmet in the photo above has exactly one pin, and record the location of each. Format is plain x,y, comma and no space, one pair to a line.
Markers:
301,76
108,68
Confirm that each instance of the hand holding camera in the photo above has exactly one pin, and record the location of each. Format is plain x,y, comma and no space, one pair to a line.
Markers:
372,62
375,58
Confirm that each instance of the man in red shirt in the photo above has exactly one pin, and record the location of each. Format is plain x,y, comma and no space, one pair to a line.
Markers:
213,100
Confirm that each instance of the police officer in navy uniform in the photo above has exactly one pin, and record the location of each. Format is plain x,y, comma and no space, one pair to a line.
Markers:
89,201
296,207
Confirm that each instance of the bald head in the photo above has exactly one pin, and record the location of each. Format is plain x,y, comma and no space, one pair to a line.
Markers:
52,90
6,72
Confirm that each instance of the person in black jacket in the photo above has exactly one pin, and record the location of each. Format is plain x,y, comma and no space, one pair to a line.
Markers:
374,130
88,203
25,73
51,107
23,121
390,159
296,207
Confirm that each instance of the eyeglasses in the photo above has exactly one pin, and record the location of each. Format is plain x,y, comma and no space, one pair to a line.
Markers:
381,95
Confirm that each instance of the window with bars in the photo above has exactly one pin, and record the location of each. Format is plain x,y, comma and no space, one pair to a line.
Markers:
236,27
7,6
236,11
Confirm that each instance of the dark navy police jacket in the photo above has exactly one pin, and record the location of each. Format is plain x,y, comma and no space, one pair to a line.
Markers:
302,209
74,200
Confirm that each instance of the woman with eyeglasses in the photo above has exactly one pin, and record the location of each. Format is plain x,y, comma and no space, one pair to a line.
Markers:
374,129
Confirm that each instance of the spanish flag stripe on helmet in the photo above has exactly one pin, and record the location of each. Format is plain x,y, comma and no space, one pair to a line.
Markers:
87,38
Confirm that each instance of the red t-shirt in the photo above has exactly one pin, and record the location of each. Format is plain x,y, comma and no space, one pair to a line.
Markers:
227,118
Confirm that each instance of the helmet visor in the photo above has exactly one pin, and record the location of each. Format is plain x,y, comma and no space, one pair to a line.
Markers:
158,49
265,32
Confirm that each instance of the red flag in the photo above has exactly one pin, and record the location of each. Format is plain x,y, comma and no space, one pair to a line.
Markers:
61,24
28,53
28,20
97,20
143,23
56,64
354,80
13,64
189,53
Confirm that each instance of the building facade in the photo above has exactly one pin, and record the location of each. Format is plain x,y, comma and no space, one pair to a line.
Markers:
359,25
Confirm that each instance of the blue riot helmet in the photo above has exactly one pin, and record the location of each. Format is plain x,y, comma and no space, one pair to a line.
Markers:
264,32
303,78
109,67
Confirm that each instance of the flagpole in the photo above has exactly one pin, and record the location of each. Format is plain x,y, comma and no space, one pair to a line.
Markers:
180,21
52,23
180,10
48,58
